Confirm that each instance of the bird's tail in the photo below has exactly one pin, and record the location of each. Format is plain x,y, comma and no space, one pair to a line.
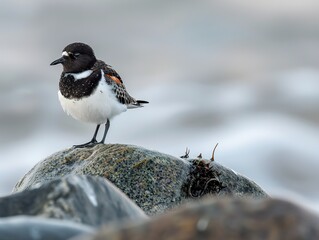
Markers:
141,102
137,104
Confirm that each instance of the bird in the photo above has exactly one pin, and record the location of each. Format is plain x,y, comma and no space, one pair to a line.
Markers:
91,90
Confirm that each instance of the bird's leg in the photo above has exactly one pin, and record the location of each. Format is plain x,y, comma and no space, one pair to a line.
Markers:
90,143
95,134
107,126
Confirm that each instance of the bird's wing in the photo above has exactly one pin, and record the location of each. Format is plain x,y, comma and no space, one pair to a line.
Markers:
113,79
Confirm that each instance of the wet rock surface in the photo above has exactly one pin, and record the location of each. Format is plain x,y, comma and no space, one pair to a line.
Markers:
155,181
84,199
238,219
36,228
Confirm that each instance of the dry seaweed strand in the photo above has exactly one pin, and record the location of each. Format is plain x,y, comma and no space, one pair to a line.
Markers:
213,154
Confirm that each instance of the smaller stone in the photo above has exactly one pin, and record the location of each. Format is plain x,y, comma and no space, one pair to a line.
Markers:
83,199
36,228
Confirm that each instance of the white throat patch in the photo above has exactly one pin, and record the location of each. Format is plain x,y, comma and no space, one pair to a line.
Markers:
81,75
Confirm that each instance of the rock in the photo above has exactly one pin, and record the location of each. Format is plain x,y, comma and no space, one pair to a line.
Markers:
84,199
237,219
155,181
35,228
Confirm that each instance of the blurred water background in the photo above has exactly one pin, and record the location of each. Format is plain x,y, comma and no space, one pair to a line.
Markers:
243,73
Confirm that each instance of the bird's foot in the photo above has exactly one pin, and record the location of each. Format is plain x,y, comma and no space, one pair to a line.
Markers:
89,144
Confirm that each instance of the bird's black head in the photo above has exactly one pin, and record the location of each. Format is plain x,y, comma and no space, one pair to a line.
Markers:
76,57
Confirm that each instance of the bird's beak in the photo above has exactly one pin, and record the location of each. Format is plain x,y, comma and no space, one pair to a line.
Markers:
60,60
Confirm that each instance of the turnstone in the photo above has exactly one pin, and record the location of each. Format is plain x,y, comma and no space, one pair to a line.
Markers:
90,90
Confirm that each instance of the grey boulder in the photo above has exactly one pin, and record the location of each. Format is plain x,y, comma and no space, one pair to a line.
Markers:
155,181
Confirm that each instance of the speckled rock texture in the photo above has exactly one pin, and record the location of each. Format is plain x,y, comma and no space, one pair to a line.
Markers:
215,219
36,228
89,200
155,181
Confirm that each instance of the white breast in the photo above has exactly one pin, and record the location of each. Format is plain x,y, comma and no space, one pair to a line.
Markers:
96,108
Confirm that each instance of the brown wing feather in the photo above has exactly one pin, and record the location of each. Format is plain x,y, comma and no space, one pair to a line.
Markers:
115,79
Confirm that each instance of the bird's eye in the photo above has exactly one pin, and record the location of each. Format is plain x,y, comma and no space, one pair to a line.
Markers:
71,55
76,54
